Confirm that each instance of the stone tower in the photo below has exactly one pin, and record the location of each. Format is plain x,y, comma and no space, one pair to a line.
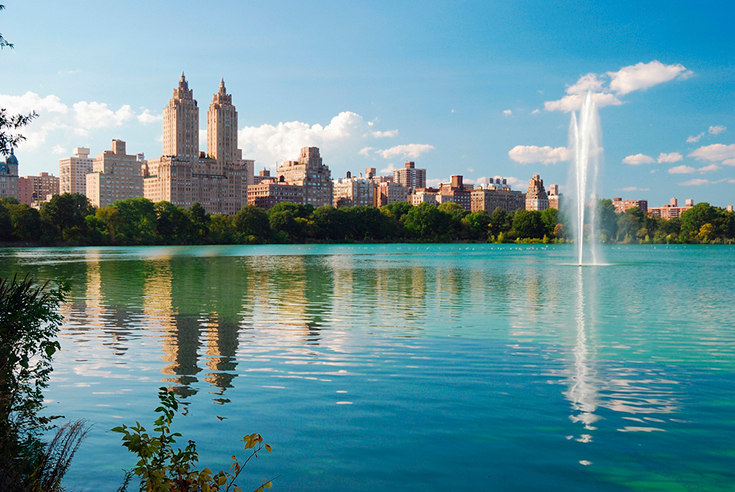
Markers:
181,124
536,198
222,127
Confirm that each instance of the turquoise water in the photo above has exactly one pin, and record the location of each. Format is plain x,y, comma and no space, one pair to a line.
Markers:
415,367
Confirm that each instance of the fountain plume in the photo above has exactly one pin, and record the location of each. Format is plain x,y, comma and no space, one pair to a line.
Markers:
585,140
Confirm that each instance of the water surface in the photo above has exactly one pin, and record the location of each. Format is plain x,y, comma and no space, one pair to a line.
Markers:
416,367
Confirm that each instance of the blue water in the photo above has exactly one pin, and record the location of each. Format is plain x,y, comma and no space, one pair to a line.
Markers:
414,367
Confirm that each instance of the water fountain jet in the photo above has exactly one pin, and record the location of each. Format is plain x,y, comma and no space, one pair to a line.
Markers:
585,140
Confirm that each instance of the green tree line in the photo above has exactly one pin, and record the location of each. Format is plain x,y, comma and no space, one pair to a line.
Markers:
71,219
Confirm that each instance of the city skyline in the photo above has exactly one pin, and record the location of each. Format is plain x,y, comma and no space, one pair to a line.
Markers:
471,89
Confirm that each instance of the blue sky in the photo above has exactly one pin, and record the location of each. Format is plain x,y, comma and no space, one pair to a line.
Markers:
481,89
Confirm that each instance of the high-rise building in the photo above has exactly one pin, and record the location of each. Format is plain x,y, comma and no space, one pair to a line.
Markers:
621,205
181,123
554,196
672,210
388,192
496,193
222,127
424,195
183,175
9,176
311,173
33,189
73,171
536,198
115,176
456,192
353,191
270,192
410,177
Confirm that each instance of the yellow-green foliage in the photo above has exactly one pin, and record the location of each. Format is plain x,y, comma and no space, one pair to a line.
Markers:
163,469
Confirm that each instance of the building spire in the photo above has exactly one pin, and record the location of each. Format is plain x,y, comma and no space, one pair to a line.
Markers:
222,89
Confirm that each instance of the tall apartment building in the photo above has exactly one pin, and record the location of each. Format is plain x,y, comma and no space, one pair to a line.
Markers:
388,192
410,177
536,197
456,192
270,192
554,196
32,189
497,194
352,192
217,179
115,176
424,195
311,173
181,123
622,205
9,176
672,210
73,171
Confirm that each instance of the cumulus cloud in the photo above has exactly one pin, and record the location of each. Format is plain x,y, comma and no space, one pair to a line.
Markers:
146,117
345,136
385,134
681,170
58,149
695,138
642,76
695,182
507,112
669,158
32,102
714,152
626,80
527,154
388,170
535,111
710,168
411,150
716,130
637,159
97,115
728,162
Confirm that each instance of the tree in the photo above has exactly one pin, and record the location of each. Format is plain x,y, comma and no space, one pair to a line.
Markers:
173,225
426,221
477,224
252,222
29,322
527,224
607,218
693,219
332,223
65,215
200,219
499,222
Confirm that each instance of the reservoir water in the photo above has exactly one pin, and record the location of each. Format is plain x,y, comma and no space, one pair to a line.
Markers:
412,367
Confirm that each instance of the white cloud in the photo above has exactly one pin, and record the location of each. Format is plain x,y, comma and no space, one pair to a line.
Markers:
710,168
628,79
637,159
32,102
452,111
411,150
714,152
716,130
695,182
507,112
669,158
470,170
388,170
573,102
681,170
633,188
693,139
97,115
527,154
642,76
58,149
385,134
146,117
728,162
344,137
535,111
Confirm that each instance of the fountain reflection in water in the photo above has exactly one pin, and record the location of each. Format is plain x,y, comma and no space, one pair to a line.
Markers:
585,140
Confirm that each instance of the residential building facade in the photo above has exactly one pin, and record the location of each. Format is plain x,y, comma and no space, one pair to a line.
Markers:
497,194
536,198
410,177
388,192
672,210
270,192
73,171
456,192
9,176
115,176
33,189
352,192
622,205
311,173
